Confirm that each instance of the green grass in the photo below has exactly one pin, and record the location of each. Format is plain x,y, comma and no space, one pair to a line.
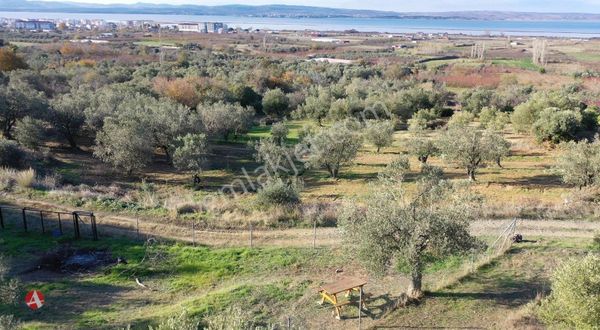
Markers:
259,132
155,43
525,63
205,280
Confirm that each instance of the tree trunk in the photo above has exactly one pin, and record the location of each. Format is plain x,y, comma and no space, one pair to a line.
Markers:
72,141
378,148
498,162
415,290
471,174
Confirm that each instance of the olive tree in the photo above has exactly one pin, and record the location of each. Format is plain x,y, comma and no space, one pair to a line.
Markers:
29,132
476,99
124,144
18,100
380,133
498,146
223,119
468,147
279,132
579,163
190,153
315,107
333,147
275,103
395,225
141,126
422,147
574,301
276,158
555,125
68,114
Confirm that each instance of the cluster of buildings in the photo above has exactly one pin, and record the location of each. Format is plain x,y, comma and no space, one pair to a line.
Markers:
102,25
206,27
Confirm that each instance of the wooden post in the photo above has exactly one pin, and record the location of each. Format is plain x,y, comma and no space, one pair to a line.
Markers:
137,226
42,222
1,219
94,227
59,224
76,225
251,243
24,220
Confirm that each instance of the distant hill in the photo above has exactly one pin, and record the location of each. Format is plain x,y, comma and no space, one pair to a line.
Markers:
275,11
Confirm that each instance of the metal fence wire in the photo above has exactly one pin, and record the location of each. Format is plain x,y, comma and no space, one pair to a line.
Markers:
78,224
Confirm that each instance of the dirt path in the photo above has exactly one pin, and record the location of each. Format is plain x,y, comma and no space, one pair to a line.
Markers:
120,225
493,297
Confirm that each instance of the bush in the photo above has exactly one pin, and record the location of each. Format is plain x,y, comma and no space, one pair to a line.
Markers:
29,132
11,154
26,179
596,242
474,100
182,321
423,119
278,192
574,300
461,119
555,125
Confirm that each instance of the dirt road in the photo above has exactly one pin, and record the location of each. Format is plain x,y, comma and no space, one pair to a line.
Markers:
119,225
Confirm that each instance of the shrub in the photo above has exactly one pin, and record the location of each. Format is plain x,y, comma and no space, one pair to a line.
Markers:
461,119
29,132
396,169
474,100
574,302
25,179
11,154
555,125
596,242
182,321
278,192
423,119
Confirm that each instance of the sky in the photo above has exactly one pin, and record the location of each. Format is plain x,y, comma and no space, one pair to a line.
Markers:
571,6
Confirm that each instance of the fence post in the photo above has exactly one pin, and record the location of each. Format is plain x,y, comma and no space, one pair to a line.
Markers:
76,225
42,222
94,227
24,219
59,224
1,219
251,243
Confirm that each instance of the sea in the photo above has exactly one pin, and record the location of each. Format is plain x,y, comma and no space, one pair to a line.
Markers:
547,28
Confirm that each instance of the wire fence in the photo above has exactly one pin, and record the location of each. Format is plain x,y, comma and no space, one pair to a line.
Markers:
77,224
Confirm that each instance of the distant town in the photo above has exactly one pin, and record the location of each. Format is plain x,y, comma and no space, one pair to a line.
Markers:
48,25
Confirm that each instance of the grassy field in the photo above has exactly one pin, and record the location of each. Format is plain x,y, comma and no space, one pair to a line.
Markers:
500,295
272,284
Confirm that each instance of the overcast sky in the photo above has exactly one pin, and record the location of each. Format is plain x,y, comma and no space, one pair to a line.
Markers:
581,6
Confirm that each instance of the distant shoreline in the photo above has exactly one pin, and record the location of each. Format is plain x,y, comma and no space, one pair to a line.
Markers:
529,28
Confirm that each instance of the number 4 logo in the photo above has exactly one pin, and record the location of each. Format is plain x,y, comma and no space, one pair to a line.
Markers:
34,299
